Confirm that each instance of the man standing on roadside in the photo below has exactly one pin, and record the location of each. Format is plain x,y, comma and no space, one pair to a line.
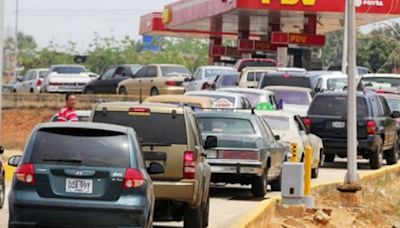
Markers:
68,113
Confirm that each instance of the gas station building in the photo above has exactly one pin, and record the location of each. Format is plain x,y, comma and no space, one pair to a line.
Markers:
289,31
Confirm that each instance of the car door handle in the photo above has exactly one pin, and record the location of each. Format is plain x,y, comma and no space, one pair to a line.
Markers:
151,80
140,80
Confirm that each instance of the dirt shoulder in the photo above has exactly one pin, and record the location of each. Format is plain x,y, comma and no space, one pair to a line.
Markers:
378,206
17,125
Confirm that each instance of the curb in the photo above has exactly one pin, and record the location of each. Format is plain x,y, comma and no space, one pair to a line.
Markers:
265,210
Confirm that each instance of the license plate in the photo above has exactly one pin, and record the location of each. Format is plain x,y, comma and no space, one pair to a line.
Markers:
338,124
211,154
79,186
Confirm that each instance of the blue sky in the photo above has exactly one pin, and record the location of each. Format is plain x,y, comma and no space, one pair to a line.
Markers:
77,20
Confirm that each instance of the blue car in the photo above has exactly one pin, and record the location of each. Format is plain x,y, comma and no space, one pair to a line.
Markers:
82,175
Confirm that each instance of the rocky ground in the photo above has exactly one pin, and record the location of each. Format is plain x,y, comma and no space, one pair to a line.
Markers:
377,205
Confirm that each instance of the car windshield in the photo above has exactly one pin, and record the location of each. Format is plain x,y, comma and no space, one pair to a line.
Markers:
285,79
380,82
212,73
228,80
171,71
394,104
277,123
89,147
336,83
225,125
43,74
292,97
155,128
68,70
336,106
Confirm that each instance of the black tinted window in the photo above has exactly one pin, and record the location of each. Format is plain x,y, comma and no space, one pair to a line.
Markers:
151,72
285,80
85,147
336,106
158,128
68,70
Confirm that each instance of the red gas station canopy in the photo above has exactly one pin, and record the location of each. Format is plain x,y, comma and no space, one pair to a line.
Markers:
206,18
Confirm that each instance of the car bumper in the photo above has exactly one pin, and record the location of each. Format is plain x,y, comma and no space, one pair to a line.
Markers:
173,90
235,167
61,89
171,190
339,146
29,210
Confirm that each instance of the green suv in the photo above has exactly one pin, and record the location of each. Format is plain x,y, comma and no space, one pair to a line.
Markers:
169,135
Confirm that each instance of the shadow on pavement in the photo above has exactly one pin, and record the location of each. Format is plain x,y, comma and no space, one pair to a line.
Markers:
361,164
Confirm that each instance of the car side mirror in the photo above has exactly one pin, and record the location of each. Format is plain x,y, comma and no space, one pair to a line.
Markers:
211,142
277,137
155,168
14,160
396,114
188,79
1,150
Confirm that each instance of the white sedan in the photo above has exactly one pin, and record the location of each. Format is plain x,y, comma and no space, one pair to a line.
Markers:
291,129
66,78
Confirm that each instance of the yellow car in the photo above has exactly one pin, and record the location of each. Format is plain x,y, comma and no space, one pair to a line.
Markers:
193,101
155,79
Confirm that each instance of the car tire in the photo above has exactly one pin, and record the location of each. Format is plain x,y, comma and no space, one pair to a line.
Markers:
375,157
154,92
276,184
88,91
2,192
31,90
193,218
122,91
392,154
330,157
314,173
206,212
259,185
14,91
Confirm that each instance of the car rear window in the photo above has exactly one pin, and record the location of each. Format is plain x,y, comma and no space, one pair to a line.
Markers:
285,80
225,125
279,123
394,104
245,64
68,70
336,106
156,128
336,83
85,147
228,80
381,82
254,76
292,97
170,71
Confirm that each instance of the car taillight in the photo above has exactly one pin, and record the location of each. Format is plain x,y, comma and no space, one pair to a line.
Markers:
170,83
371,127
242,155
307,122
189,165
26,173
38,82
133,178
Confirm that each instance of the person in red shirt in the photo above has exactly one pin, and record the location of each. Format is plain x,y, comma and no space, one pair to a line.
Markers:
68,113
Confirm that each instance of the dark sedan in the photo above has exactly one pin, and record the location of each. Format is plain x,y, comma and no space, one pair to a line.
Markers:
109,79
86,175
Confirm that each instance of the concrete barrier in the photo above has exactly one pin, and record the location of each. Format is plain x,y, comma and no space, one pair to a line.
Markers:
264,211
52,100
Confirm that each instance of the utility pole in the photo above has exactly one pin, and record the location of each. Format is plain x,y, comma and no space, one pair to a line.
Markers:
352,178
1,56
16,39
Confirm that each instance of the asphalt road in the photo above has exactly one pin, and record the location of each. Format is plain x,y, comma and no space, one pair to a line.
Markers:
229,203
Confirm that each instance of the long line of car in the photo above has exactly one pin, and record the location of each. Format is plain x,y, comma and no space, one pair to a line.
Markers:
139,162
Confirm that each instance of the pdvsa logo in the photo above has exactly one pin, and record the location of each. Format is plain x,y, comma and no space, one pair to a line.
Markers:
292,2
359,3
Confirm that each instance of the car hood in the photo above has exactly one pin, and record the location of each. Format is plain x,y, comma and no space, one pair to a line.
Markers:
235,141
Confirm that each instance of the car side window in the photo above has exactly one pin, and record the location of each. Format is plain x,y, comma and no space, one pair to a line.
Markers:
119,72
142,72
266,130
378,109
33,75
243,103
126,72
197,75
108,74
386,109
151,72
250,76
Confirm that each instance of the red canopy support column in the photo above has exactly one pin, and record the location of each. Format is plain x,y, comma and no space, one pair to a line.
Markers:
310,24
216,26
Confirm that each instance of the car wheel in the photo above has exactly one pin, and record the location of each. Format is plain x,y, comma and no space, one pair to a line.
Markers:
330,157
14,90
276,184
314,173
2,192
31,90
206,212
154,92
88,91
392,155
259,185
375,157
122,91
193,217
